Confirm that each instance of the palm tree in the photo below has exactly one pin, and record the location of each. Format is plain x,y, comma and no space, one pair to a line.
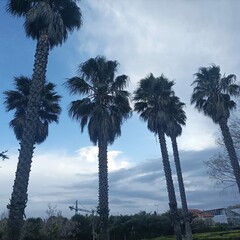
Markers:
152,100
103,107
17,100
212,96
174,130
47,21
49,111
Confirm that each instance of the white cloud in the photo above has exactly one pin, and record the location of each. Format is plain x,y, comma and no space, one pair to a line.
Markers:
61,179
85,161
57,168
88,154
199,133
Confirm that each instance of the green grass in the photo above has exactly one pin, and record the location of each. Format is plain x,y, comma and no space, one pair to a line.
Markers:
223,235
228,235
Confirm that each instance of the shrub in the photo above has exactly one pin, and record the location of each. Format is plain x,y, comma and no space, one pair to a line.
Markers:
33,229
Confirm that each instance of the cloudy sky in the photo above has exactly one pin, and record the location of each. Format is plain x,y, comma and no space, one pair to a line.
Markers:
158,36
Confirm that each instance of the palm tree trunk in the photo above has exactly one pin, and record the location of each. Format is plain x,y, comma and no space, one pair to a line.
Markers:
103,209
19,195
170,186
181,189
227,138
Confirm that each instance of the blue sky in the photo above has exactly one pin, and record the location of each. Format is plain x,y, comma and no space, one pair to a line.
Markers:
170,37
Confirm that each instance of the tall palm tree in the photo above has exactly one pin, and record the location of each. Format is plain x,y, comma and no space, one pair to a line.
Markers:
17,100
173,130
49,22
152,100
103,107
212,96
49,111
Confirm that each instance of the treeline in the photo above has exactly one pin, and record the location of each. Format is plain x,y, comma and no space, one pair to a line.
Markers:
132,227
122,227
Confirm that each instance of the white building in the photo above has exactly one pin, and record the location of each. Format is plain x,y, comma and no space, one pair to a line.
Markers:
225,215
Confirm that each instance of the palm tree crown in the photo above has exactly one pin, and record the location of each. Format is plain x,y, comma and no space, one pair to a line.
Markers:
55,17
177,118
105,104
152,99
17,100
212,92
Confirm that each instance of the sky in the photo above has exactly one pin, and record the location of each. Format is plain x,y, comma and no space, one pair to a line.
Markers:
145,36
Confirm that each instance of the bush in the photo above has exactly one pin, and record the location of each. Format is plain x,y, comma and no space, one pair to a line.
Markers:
33,229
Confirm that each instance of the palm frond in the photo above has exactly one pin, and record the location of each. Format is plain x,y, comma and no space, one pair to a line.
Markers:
120,82
3,155
67,8
77,85
18,7
80,108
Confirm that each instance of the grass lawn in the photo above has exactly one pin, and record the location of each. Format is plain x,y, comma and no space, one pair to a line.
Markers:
224,235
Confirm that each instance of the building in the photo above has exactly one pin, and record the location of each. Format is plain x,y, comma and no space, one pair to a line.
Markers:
202,215
229,216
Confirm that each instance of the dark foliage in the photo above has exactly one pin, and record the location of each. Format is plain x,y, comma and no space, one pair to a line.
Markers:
3,155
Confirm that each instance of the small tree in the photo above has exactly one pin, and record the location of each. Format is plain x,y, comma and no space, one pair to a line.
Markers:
57,226
82,227
33,229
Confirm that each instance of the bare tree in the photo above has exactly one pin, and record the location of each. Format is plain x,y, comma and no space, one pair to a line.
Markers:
219,166
220,170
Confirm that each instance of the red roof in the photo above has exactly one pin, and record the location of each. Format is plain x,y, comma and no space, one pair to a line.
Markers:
200,214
